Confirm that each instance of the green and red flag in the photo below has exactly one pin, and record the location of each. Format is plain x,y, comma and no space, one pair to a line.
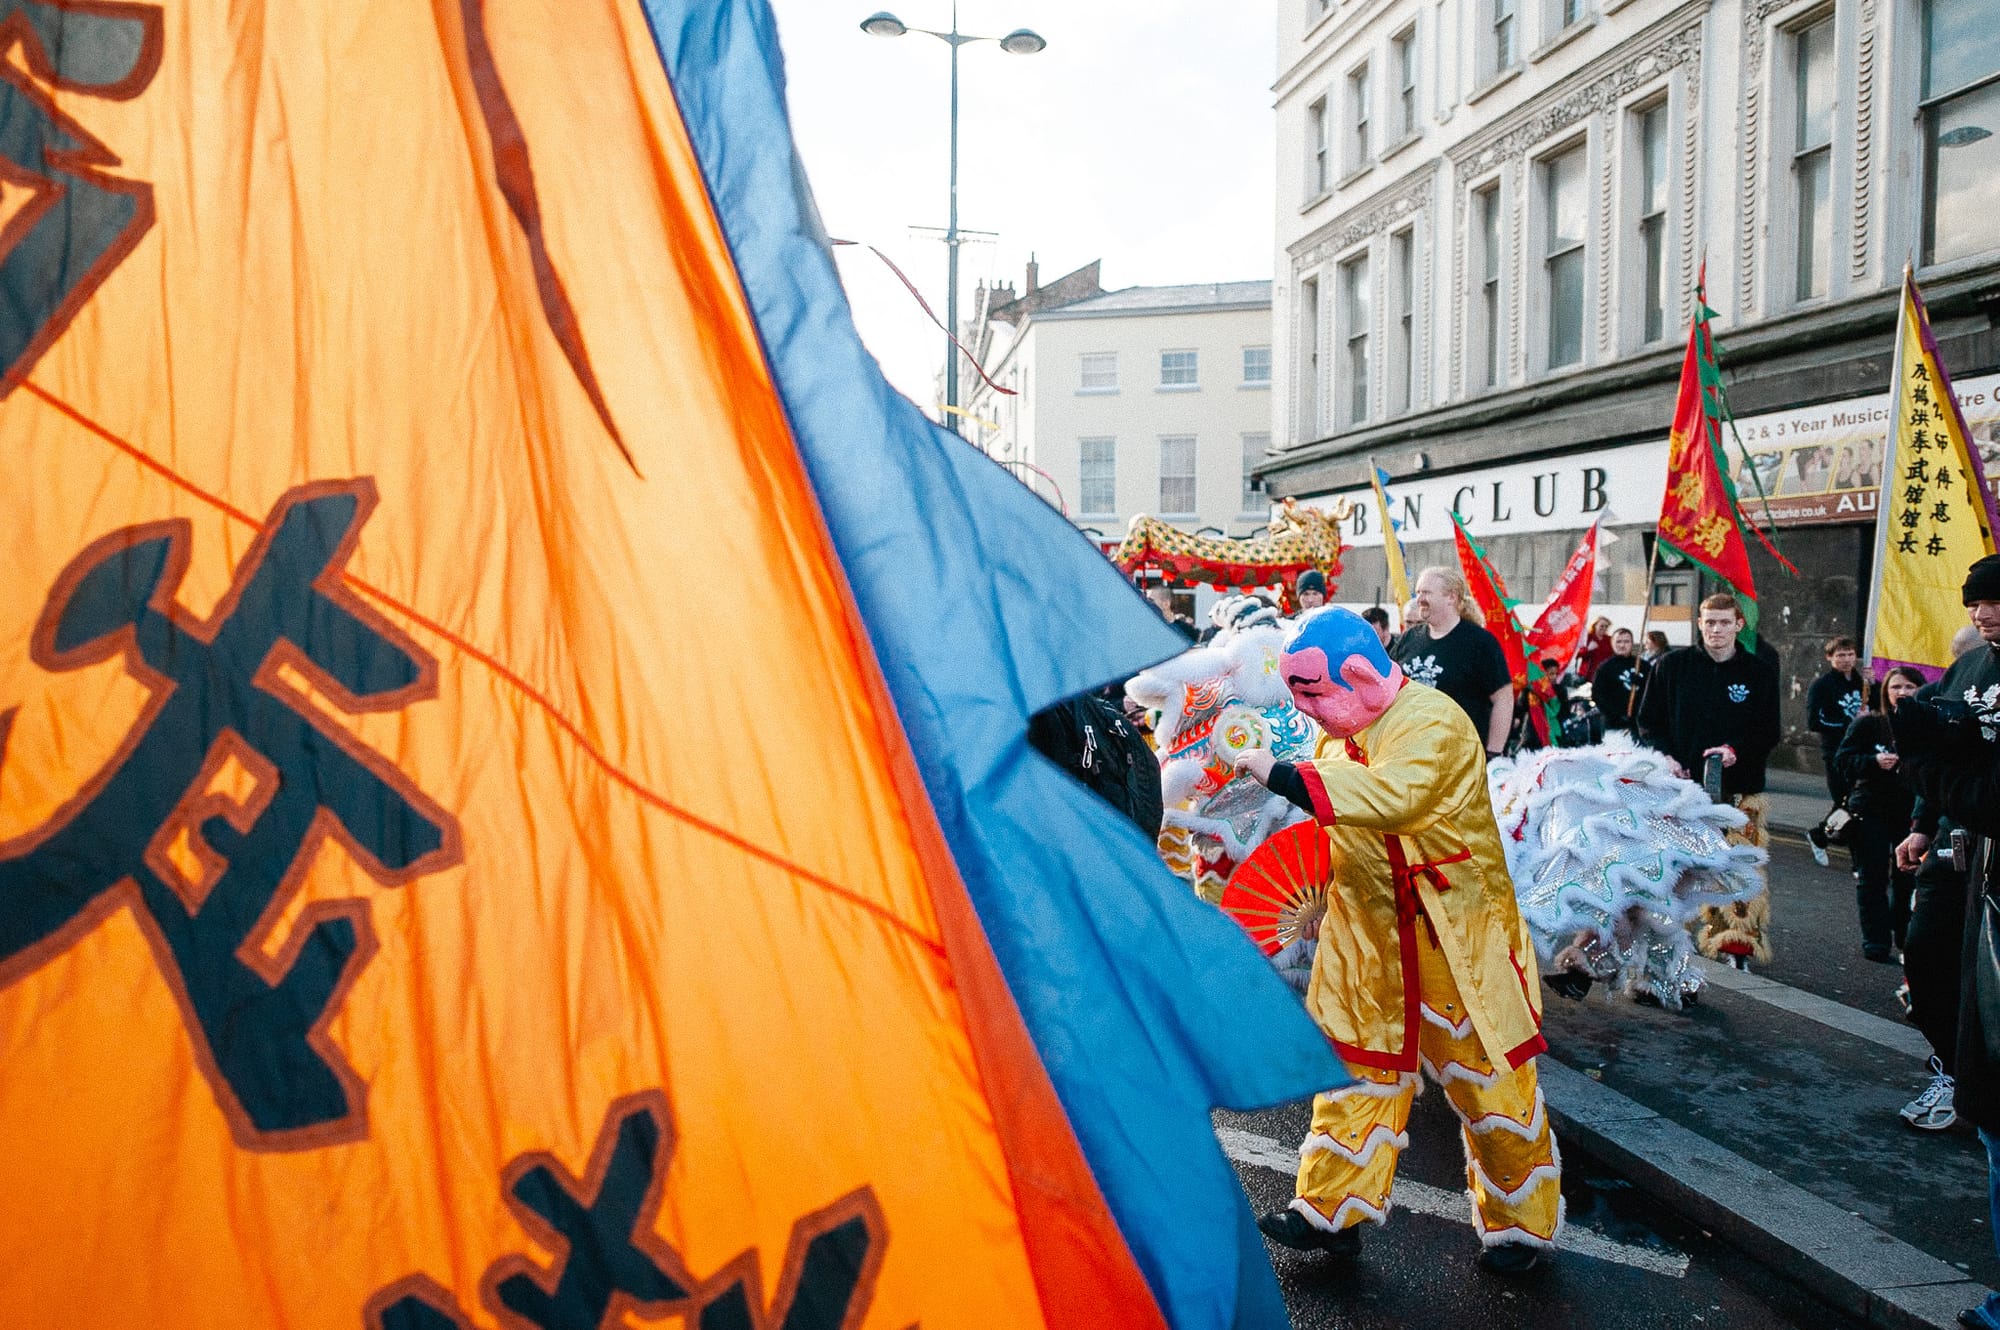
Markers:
1700,516
1489,592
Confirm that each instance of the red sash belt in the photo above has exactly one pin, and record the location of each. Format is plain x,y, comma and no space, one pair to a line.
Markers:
1404,874
1408,876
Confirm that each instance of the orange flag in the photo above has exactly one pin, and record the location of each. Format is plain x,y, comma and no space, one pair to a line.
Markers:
463,860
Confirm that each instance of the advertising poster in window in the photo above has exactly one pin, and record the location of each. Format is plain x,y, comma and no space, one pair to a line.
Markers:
1823,463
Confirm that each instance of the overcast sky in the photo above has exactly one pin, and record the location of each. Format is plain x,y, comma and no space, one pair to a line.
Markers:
1142,136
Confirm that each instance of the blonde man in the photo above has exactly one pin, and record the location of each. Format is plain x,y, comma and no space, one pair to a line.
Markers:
1449,648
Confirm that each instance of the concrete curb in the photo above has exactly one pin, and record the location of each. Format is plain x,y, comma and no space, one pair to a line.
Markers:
1840,1257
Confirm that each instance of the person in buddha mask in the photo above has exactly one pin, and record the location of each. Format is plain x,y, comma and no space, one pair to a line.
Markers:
1399,787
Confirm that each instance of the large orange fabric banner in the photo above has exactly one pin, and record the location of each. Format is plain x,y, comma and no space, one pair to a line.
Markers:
466,855
337,797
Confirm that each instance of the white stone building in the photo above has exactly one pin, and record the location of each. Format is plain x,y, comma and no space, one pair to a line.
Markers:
1491,215
1151,399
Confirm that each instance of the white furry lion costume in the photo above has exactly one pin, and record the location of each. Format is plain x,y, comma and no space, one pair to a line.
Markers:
1613,856
1214,703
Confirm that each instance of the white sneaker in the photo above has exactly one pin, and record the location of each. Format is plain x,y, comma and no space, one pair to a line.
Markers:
1932,1110
1819,854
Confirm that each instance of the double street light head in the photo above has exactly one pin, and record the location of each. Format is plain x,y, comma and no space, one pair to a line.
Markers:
1021,41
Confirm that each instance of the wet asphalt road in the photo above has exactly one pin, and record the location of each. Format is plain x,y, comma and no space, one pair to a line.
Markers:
1639,1267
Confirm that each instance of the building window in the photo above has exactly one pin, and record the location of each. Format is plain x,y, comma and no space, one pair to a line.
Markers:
1257,365
1486,310
1357,116
1178,369
1099,489
1961,114
1098,372
1566,14
1256,447
1812,158
1319,172
1505,54
1309,395
1650,125
1354,319
1403,60
1177,475
1403,320
1565,220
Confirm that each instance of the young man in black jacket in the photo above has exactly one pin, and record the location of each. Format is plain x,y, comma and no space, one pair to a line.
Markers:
1832,703
1715,698
1615,685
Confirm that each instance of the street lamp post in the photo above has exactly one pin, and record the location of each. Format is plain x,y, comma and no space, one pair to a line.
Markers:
1021,41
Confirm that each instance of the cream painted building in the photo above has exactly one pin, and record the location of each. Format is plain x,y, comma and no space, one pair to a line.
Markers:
1152,399
1490,221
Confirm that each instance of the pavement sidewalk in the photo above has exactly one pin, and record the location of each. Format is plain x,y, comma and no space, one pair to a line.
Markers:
1767,1113
1797,800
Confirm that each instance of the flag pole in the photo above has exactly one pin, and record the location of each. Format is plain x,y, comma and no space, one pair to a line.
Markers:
1888,479
1652,571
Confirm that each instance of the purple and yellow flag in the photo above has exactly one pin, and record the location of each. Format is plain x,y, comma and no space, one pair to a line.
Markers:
514,807
1936,515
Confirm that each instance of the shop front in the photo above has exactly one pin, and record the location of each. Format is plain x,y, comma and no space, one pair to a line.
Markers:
1818,468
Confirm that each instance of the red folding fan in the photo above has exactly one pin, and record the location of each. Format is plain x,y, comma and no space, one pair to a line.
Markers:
1278,894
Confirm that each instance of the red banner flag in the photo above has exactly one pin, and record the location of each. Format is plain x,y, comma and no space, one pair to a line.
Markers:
1559,627
1489,592
1700,517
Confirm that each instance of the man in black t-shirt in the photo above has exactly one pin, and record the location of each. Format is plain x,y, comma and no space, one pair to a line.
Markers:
1449,649
1614,687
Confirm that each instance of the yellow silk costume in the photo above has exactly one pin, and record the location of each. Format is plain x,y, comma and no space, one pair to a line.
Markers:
1411,823
1424,960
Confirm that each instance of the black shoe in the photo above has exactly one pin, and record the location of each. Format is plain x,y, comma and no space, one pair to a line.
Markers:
1289,1228
1875,951
1510,1258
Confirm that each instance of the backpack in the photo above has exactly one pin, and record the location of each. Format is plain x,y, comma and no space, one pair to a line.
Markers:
1090,738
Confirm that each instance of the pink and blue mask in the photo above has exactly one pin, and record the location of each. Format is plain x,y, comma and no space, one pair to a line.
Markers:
1338,672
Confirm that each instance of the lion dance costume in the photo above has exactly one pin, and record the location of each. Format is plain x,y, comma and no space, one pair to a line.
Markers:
1211,704
1614,858
1423,958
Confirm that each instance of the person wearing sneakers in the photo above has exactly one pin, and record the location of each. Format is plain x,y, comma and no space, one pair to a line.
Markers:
1950,746
1832,703
1423,960
1934,942
1881,803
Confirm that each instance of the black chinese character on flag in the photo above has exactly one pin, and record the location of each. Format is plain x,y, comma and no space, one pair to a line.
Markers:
230,781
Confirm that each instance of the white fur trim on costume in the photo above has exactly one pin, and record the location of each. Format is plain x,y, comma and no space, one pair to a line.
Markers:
1528,1131
1378,1089
1515,1233
1460,1030
1378,1135
1353,1205
1458,1071
1537,1175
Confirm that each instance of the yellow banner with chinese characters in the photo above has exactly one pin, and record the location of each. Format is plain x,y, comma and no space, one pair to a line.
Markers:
1936,518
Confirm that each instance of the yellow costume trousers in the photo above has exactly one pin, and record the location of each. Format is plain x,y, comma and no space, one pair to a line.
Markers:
1348,1162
